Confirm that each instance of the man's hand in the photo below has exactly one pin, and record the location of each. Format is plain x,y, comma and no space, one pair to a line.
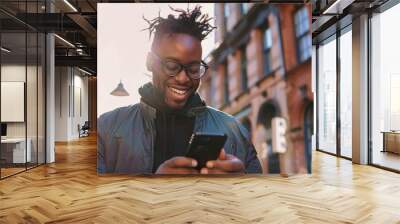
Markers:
178,165
226,163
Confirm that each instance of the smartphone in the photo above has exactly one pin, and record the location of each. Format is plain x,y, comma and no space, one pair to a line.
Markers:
205,146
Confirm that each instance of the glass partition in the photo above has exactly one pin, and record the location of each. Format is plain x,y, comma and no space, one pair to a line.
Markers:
327,96
22,63
385,89
41,96
31,100
13,109
346,93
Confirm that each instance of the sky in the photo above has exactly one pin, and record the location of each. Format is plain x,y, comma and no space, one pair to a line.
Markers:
122,48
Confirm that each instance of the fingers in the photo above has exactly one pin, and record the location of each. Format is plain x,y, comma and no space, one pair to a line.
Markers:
180,171
222,155
212,171
230,165
226,163
178,165
180,161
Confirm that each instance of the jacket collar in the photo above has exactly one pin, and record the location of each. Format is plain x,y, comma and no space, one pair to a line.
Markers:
150,112
154,98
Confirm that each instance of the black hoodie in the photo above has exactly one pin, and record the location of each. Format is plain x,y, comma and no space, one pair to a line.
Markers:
173,127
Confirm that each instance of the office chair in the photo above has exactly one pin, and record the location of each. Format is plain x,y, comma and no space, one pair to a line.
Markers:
84,130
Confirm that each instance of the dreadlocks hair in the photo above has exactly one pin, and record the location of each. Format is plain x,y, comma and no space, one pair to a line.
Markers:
190,22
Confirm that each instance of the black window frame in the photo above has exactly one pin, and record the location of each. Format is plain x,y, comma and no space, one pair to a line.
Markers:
226,15
34,54
305,34
266,52
244,8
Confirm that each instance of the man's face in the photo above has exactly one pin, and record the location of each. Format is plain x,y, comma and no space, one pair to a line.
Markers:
183,49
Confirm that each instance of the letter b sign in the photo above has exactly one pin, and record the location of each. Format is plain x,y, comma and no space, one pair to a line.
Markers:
279,127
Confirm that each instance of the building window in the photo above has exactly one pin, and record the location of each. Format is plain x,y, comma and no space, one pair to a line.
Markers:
226,15
385,89
345,82
244,8
243,67
267,45
226,83
303,36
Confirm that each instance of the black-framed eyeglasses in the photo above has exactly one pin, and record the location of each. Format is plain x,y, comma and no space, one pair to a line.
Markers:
171,67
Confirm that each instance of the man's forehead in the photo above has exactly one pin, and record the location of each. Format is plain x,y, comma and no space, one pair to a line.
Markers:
179,43
180,38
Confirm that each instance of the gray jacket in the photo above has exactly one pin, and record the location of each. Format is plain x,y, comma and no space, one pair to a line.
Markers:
126,138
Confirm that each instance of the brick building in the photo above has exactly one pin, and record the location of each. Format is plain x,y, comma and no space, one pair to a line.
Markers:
260,69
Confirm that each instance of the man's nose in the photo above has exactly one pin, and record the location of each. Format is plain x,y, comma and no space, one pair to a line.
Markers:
182,77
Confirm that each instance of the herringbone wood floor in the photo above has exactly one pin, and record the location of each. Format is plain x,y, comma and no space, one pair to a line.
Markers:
70,191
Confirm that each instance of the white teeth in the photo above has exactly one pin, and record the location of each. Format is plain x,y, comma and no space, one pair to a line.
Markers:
181,92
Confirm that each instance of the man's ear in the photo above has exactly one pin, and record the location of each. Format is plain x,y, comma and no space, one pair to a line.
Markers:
149,62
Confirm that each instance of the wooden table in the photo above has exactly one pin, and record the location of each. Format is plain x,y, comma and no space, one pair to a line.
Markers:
13,150
391,141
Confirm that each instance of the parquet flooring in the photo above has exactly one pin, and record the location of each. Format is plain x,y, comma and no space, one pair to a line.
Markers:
9,171
70,191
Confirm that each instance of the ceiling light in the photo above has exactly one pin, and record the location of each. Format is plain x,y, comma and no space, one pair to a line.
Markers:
337,7
65,41
120,90
70,5
84,71
5,50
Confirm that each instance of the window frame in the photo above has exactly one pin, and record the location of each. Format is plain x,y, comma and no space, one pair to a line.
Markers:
267,65
226,15
304,35
244,8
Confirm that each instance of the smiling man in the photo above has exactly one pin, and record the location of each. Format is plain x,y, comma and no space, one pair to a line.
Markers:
153,135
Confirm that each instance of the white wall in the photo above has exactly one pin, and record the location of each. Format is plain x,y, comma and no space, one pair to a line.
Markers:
33,126
61,103
67,101
79,117
12,73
